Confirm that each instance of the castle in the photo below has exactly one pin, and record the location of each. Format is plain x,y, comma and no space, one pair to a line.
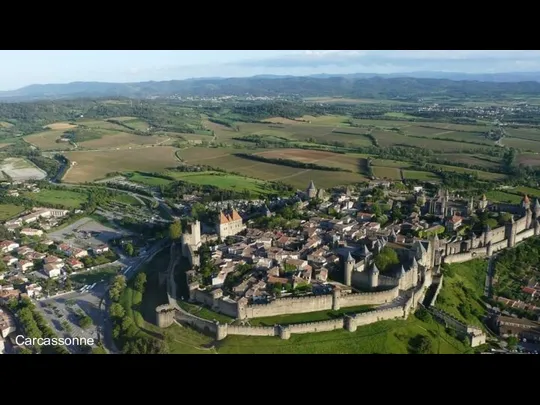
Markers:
229,224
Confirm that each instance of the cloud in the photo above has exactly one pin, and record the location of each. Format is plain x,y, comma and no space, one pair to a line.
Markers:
445,60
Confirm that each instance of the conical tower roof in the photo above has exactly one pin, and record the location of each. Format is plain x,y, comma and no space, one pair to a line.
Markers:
402,271
374,269
366,251
526,199
414,263
350,258
311,185
537,204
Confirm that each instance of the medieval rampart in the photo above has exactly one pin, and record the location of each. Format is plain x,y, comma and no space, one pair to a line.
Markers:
524,235
285,306
251,330
373,298
367,318
313,327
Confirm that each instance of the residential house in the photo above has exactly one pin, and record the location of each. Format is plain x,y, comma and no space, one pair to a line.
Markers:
453,223
100,249
31,232
7,324
75,264
52,260
79,253
52,270
33,290
9,260
531,291
7,294
24,265
8,246
321,274
65,249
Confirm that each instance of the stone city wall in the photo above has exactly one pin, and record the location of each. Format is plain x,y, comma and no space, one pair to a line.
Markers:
524,235
521,224
313,327
373,298
286,306
251,330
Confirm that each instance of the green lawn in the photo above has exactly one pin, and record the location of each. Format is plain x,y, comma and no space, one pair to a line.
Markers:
531,192
419,175
386,337
95,276
204,313
462,291
501,196
66,198
309,317
399,115
126,199
9,210
148,180
222,180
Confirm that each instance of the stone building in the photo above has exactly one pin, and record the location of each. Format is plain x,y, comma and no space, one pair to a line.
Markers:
229,224
311,190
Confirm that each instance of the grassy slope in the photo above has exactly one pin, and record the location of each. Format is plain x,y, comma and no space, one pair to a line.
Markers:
464,284
66,198
9,210
386,337
309,317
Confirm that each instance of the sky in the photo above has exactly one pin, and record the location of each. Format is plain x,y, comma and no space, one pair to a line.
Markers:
22,68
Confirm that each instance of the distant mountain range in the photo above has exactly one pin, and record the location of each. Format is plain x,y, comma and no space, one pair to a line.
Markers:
359,85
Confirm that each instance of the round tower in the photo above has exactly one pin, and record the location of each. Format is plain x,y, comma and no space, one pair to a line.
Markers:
528,218
489,249
525,203
349,267
414,269
536,209
537,227
374,277
510,232
311,190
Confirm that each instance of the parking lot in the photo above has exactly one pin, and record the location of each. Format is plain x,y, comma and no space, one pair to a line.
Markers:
62,313
86,233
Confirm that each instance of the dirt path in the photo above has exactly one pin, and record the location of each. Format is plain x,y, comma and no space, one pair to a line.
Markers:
442,133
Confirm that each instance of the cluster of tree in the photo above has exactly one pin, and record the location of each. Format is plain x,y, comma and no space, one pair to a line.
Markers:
290,163
515,267
34,325
104,258
386,258
126,333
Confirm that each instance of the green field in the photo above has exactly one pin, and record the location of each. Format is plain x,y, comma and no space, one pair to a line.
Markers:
531,192
391,163
95,276
386,337
391,173
9,210
462,291
204,313
66,198
148,180
501,196
222,180
482,175
125,198
308,317
419,175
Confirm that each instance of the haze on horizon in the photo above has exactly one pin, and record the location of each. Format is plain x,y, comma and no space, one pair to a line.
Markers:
21,68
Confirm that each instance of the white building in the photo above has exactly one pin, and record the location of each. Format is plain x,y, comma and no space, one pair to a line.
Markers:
229,224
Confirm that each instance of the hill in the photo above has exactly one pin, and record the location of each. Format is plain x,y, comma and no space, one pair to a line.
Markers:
402,88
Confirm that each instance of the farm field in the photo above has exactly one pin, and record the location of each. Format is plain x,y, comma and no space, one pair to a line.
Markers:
531,192
322,158
524,144
99,124
9,210
387,138
4,124
90,166
132,122
223,181
46,140
390,163
481,174
391,173
66,198
529,159
122,140
419,175
386,337
61,126
20,169
478,160
299,178
148,180
524,133
335,120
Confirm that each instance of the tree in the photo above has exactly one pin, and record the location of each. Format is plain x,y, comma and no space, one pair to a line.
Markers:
129,249
386,258
512,342
175,230
421,345
140,282
68,285
117,310
85,322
